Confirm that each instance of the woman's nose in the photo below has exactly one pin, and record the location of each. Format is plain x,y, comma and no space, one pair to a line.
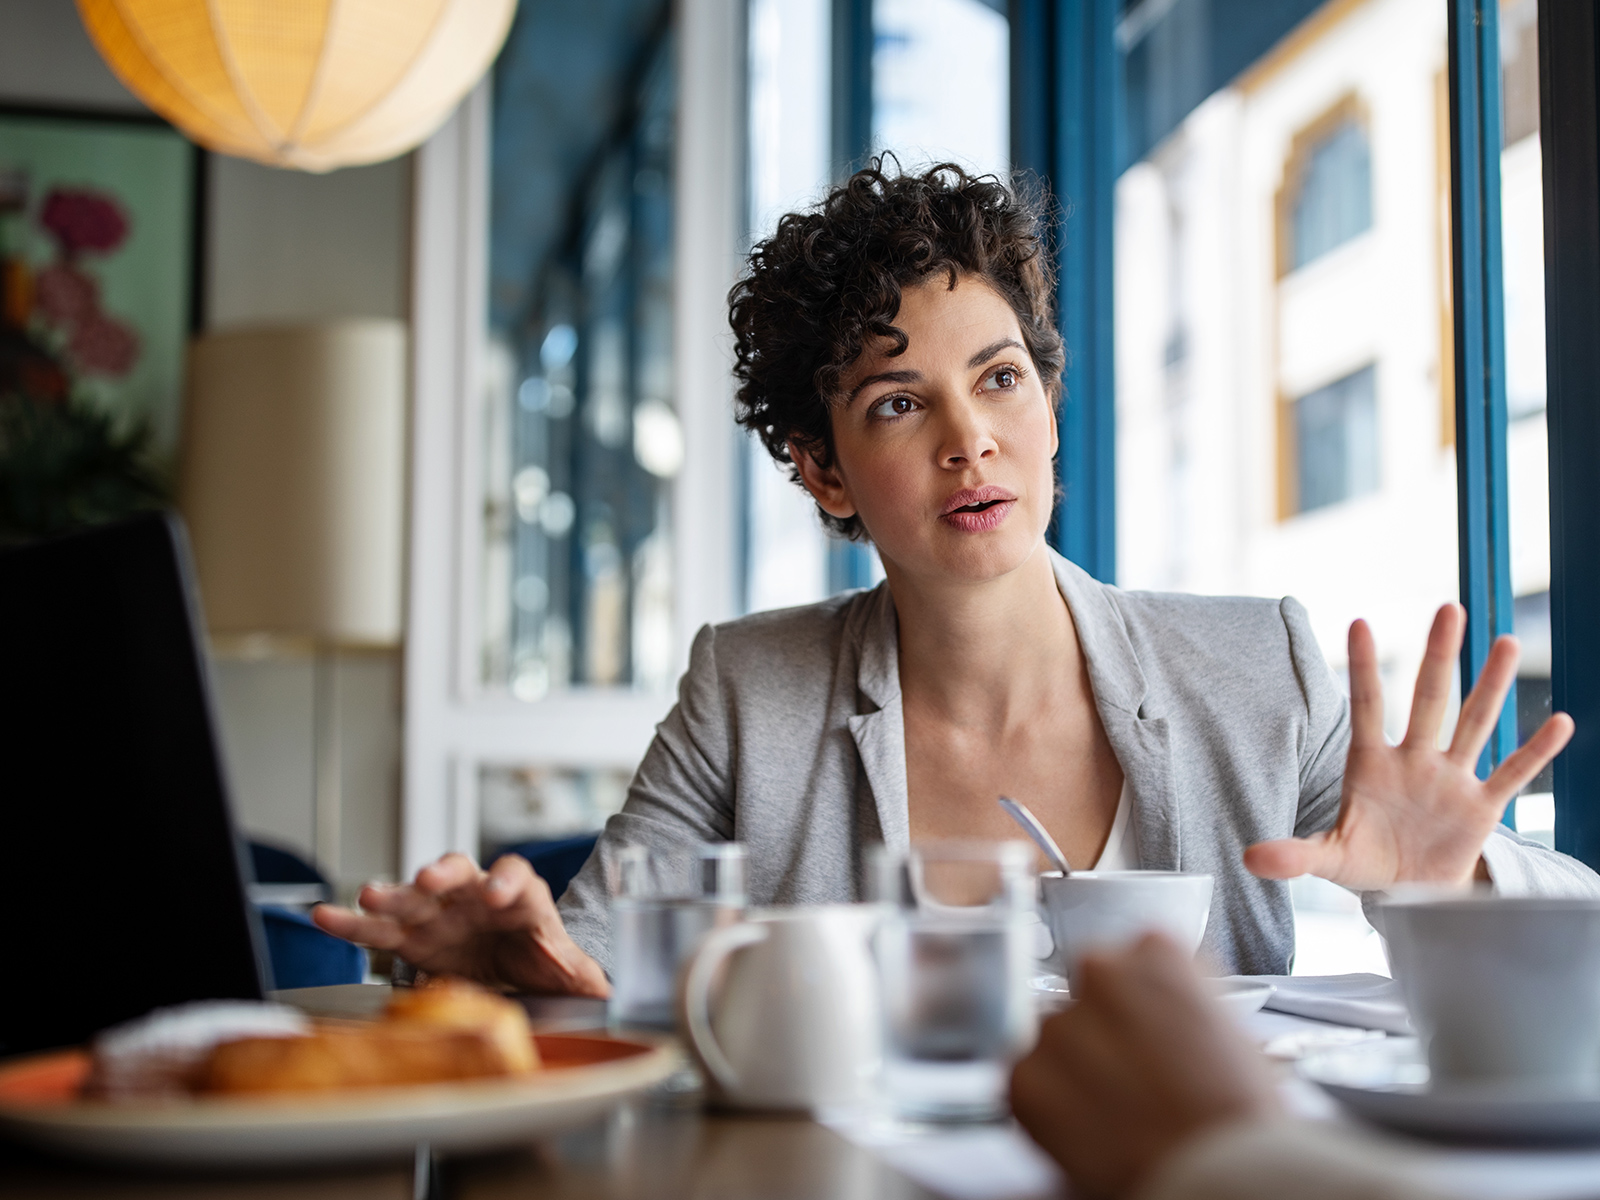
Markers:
966,436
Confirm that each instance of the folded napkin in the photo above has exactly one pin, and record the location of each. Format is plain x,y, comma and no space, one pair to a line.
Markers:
1363,1001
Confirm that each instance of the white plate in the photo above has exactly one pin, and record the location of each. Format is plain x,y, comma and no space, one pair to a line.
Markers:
1239,996
1387,1083
38,1105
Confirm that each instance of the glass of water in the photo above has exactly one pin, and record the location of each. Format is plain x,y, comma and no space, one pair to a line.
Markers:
955,954
662,903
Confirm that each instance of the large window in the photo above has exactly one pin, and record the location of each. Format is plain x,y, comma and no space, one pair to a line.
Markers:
1283,352
585,439
936,84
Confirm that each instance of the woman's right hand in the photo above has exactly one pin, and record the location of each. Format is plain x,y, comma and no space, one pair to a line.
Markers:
499,927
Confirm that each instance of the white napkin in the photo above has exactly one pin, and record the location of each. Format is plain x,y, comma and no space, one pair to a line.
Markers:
1363,1001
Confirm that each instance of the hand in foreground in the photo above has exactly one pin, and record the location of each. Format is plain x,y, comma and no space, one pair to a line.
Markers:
1142,1062
1413,812
498,926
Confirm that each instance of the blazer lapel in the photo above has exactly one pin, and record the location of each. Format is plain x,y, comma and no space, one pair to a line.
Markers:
1140,739
880,734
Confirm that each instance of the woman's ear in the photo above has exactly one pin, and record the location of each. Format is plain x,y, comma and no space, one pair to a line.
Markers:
826,485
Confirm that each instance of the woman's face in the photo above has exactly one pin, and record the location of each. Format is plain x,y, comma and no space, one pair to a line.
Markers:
944,452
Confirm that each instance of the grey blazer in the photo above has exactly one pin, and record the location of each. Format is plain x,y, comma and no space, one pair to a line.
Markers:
1228,725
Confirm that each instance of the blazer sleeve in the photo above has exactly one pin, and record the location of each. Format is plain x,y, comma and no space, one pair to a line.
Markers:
1326,740
679,798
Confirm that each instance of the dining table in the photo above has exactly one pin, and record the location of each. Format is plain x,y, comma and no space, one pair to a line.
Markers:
668,1143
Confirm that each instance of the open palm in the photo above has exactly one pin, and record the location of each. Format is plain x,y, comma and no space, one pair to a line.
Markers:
1413,812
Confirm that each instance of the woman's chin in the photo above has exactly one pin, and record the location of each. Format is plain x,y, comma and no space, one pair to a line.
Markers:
973,557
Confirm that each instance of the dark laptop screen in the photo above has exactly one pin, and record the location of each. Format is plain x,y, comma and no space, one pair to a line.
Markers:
121,881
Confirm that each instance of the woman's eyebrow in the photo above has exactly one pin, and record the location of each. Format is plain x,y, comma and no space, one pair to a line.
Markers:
988,352
883,377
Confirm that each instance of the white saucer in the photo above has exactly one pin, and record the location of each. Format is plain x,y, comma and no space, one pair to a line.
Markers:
1387,1083
1239,996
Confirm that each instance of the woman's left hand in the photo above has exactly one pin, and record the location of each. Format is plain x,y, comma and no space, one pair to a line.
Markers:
1413,812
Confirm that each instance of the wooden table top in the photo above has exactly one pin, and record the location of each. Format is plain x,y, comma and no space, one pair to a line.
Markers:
649,1149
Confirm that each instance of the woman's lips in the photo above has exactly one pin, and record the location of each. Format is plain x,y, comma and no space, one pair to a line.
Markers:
975,510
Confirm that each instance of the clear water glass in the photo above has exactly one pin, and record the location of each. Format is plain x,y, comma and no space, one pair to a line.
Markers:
662,903
955,955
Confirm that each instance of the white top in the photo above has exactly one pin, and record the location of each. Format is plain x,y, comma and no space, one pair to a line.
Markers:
1120,854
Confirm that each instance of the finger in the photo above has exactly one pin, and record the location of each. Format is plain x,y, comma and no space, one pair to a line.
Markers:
1366,689
1480,711
512,880
1289,858
455,870
1520,769
380,933
402,903
1434,678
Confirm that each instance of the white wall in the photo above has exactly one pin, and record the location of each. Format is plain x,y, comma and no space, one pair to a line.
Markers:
280,246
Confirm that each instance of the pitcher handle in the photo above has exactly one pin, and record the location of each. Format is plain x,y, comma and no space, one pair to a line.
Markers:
717,946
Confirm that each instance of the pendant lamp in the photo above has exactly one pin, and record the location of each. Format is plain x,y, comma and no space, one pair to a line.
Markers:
312,84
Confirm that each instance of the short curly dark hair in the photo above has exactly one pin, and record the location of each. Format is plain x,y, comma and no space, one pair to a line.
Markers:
828,282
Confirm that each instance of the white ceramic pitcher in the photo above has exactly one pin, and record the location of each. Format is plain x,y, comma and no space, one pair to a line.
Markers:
795,1022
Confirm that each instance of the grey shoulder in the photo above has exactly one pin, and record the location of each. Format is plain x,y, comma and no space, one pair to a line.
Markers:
1216,629
807,635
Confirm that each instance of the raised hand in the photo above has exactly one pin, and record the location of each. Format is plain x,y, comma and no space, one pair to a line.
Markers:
1141,1063
498,926
1413,812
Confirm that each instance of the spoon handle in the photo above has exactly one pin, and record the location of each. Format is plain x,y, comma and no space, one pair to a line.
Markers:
1031,826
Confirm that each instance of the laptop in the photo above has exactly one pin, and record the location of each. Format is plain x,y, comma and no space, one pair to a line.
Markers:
122,876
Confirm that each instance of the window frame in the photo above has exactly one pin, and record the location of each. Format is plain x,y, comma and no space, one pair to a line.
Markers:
1569,97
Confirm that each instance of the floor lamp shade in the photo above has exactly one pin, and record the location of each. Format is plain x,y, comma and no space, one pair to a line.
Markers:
314,84
293,479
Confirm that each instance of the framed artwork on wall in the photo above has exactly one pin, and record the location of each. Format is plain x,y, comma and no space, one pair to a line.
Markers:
100,219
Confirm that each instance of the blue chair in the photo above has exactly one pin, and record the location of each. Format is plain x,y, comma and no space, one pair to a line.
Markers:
556,862
302,955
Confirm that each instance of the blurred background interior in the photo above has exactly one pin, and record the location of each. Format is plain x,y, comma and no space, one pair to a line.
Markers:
501,366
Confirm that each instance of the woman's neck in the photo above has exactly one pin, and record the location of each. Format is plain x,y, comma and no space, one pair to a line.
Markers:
983,655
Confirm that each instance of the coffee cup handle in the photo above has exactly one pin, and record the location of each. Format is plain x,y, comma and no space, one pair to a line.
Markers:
717,946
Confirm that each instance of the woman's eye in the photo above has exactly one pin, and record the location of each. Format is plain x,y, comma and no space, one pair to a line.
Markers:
894,406
1003,378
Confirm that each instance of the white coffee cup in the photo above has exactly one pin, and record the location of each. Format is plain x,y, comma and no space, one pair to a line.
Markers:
1502,989
795,1023
1106,910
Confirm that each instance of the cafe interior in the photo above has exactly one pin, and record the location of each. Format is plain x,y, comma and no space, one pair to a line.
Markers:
382,817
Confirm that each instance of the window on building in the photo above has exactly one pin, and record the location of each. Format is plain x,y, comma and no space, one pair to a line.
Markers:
1333,202
1336,441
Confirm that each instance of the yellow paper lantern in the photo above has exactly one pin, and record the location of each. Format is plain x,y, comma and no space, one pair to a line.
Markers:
313,84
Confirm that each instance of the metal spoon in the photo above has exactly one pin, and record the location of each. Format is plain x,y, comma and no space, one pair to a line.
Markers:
1019,813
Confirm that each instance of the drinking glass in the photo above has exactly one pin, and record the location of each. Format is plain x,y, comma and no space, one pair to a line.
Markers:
955,953
662,903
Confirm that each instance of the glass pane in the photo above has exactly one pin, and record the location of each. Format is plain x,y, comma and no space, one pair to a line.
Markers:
519,804
1527,453
786,552
1285,412
582,438
940,82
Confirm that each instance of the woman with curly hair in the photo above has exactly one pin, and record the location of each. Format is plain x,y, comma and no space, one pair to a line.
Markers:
897,352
